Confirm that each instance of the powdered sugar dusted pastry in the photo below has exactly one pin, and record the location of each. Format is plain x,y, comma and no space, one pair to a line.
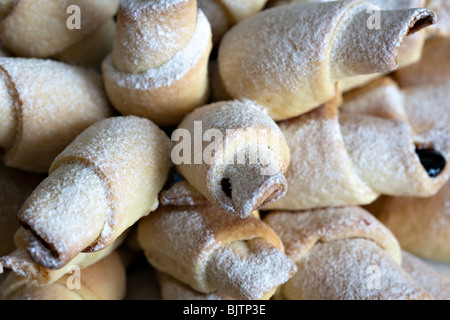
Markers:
104,280
15,187
340,253
436,283
41,29
172,289
45,104
424,107
234,154
93,49
421,225
159,65
433,67
223,14
352,159
102,183
211,251
312,46
20,262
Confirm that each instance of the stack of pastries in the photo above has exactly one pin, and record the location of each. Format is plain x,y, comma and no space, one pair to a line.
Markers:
225,150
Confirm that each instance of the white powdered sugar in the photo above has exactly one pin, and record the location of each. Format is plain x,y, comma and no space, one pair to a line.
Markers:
173,70
136,7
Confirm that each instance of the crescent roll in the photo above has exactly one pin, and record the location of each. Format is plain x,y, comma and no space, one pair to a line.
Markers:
159,65
208,251
342,254
20,262
234,154
312,46
351,159
435,282
45,104
102,183
104,280
224,14
41,29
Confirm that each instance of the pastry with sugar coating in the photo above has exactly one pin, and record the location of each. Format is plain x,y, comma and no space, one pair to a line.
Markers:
210,251
342,254
234,154
312,46
104,280
224,14
20,262
352,159
101,184
45,104
159,65
40,28
435,282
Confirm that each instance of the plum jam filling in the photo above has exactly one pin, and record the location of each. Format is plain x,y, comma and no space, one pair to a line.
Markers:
432,160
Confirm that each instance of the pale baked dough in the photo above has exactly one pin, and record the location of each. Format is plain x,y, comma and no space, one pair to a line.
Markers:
39,28
289,58
102,183
104,280
339,253
239,167
210,251
159,65
44,106
352,159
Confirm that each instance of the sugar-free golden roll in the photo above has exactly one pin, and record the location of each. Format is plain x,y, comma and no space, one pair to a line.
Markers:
234,154
15,187
20,262
44,105
352,159
342,254
44,28
102,183
312,46
104,280
159,65
210,251
438,284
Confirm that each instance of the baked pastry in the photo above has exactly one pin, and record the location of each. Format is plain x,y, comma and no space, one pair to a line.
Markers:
351,159
342,254
91,52
420,224
159,65
45,104
433,67
172,289
40,28
211,251
104,280
425,107
293,78
234,154
224,14
20,262
102,183
436,283
15,187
